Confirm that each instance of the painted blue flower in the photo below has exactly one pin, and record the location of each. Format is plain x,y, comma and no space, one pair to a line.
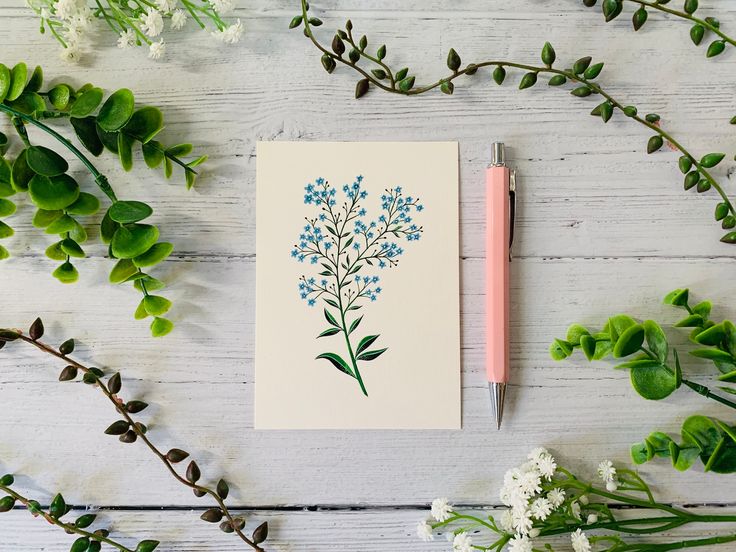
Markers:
311,302
360,178
320,181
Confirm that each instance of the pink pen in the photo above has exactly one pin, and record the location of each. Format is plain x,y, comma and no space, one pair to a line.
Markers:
500,212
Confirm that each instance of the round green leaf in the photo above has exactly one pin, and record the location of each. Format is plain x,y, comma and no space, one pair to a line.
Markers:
45,161
7,207
560,349
54,252
43,218
29,103
161,326
66,273
62,225
86,204
53,193
129,211
656,340
18,77
629,341
59,96
652,380
71,248
36,80
153,153
86,103
6,185
117,110
5,230
155,255
86,130
132,240
145,124
5,81
156,305
21,173
4,253
122,270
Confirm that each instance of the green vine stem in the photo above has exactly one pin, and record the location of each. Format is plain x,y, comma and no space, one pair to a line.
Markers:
75,528
129,430
347,51
612,9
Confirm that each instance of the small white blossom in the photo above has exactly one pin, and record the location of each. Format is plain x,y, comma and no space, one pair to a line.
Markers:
441,509
178,19
612,486
606,471
66,9
520,543
540,509
157,49
592,518
231,34
462,543
507,521
580,542
556,497
575,510
166,6
547,466
222,7
152,22
537,453
424,531
126,39
522,520
531,483
70,54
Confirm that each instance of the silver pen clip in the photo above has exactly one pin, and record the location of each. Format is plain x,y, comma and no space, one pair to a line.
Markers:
512,208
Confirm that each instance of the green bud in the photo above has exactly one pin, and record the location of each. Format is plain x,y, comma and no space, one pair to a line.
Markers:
716,48
581,65
499,74
528,80
453,60
640,17
697,32
655,142
447,87
548,54
557,80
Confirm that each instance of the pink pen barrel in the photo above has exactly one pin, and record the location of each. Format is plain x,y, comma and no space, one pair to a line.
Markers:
497,273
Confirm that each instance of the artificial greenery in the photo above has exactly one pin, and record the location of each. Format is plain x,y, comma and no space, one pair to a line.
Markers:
699,30
545,501
656,372
370,63
129,430
88,539
114,125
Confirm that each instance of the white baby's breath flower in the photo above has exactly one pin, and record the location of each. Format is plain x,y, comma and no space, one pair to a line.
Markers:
152,22
592,518
126,39
157,49
606,471
556,497
441,509
506,521
537,453
575,510
178,19
547,466
522,520
222,7
520,543
612,486
166,6
540,509
462,543
231,34
580,542
70,54
66,9
531,483
424,531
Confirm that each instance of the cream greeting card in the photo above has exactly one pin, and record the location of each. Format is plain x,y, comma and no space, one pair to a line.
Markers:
357,299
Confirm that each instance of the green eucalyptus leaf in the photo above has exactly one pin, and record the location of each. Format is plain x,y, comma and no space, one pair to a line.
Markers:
713,336
161,327
129,211
132,240
72,248
60,96
62,225
66,273
575,332
36,80
86,130
45,161
5,81
122,270
653,381
5,230
125,151
18,78
154,255
55,253
108,227
629,341
145,123
53,193
86,204
153,153
678,297
656,340
43,218
560,349
29,103
86,103
117,110
7,207
108,139
588,344
156,305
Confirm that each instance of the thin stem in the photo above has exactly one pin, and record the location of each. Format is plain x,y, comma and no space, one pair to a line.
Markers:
143,437
67,527
100,179
712,28
350,347
473,67
703,390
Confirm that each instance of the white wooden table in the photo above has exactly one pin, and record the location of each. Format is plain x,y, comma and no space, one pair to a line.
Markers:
602,228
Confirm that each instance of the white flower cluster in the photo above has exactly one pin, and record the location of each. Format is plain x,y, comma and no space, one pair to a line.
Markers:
69,22
607,473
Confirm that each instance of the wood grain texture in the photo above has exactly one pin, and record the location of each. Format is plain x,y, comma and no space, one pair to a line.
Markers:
602,228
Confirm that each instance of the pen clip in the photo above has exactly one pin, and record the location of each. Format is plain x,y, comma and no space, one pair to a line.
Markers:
512,209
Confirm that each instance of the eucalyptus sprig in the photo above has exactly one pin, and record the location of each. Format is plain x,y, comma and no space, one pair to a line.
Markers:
656,372
88,539
129,430
700,28
115,125
350,49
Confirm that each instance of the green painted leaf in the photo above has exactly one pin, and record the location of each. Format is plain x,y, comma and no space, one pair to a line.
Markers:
117,110
355,324
337,361
656,340
7,207
18,77
86,103
132,240
159,328
129,211
66,273
329,331
45,161
86,130
371,355
156,305
86,204
653,381
330,318
145,123
155,255
54,193
365,343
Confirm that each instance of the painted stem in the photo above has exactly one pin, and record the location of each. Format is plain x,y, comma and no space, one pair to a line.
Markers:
353,360
143,437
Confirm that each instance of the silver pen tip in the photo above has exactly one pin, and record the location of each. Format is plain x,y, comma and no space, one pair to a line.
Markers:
498,394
